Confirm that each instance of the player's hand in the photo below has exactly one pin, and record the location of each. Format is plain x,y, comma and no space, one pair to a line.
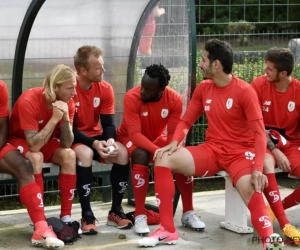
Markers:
259,180
101,147
57,114
170,148
282,161
111,142
63,106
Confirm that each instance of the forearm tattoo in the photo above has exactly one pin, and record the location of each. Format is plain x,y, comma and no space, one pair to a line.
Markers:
270,145
66,135
35,138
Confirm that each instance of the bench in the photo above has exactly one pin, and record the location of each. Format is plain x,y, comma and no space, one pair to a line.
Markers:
51,172
236,212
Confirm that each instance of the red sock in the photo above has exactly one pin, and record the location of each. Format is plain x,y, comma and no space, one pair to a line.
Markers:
185,185
67,184
140,182
260,216
31,197
294,198
273,196
40,181
164,191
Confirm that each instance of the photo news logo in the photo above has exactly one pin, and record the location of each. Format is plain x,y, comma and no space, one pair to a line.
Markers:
271,239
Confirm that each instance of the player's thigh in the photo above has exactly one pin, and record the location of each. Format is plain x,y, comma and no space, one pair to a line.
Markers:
49,149
205,160
293,155
124,140
20,144
238,163
14,163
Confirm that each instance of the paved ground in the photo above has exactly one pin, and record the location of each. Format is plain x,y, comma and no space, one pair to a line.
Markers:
15,231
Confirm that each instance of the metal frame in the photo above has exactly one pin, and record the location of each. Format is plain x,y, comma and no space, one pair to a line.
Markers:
17,75
135,42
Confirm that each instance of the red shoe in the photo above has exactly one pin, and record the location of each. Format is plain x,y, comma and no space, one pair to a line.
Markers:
119,220
88,224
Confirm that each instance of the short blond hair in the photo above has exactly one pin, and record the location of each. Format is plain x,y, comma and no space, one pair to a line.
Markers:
82,56
58,75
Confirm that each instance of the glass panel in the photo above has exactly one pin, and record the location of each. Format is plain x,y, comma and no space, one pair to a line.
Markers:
61,27
11,16
165,40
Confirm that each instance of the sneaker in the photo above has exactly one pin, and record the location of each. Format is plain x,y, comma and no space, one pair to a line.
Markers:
141,226
275,242
88,223
69,220
272,215
290,232
118,219
46,238
159,236
192,220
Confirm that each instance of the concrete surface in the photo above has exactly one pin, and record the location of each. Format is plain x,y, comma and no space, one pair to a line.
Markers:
15,229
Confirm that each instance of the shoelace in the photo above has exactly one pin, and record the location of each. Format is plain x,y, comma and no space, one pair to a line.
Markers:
195,216
140,219
90,220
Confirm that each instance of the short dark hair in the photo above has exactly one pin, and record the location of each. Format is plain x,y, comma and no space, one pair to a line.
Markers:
160,72
222,51
282,58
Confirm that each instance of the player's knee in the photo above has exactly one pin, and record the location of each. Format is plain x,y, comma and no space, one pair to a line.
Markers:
68,159
84,155
269,165
140,156
37,160
24,168
122,155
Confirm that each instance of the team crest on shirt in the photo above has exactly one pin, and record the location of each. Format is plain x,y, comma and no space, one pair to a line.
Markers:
164,113
96,102
229,103
291,106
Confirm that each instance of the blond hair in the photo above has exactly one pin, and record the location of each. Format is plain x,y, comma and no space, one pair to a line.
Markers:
82,56
58,75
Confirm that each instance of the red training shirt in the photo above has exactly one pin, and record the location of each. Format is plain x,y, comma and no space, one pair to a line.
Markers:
30,112
4,111
143,122
99,99
280,109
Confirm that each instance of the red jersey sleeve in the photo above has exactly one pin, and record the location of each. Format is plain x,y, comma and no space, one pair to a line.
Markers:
27,116
108,101
4,111
194,110
133,125
71,106
174,118
256,86
253,113
250,105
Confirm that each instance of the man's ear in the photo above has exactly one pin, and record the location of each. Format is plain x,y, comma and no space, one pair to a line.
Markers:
82,71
